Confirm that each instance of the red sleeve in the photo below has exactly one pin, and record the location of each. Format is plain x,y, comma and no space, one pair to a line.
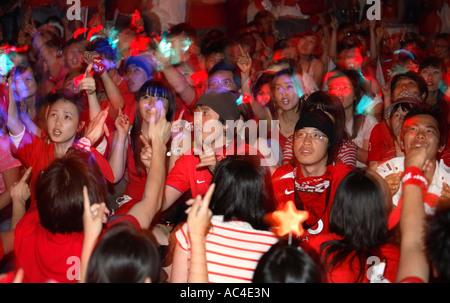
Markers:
118,219
178,177
283,185
30,149
375,144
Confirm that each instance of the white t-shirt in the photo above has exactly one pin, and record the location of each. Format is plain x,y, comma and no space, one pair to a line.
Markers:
395,165
363,134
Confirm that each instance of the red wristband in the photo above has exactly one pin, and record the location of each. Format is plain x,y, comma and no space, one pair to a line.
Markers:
414,176
99,67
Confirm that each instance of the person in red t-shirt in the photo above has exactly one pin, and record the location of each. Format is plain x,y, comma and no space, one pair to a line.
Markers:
214,137
63,126
359,240
49,239
126,152
312,179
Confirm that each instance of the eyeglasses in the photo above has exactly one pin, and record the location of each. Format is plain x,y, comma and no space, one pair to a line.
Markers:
314,135
222,83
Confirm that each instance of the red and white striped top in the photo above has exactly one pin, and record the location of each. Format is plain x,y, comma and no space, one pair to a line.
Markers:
233,249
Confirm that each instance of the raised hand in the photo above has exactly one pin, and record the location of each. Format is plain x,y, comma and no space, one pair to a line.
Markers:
88,82
93,215
208,158
244,61
146,152
181,134
199,214
97,127
393,181
94,58
158,131
122,123
20,191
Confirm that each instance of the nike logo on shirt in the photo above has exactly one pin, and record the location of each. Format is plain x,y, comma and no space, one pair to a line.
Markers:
288,192
200,182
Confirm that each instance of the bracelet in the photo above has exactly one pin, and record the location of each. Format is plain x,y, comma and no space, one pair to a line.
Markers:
414,176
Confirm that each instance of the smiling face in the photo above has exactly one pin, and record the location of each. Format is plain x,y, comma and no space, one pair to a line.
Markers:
309,151
25,84
286,93
147,102
63,121
421,131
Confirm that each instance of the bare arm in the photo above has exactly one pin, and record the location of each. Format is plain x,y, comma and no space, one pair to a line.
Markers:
10,176
199,220
413,261
118,157
145,210
14,125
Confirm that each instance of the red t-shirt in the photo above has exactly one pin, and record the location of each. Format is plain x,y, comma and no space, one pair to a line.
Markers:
347,272
136,183
34,152
189,110
314,193
185,175
380,142
47,257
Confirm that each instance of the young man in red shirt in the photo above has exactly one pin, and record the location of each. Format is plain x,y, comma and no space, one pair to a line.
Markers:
311,178
216,117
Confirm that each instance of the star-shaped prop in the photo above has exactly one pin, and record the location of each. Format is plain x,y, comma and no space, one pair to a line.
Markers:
288,220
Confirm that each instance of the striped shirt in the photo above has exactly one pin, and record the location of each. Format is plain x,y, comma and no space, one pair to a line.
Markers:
233,249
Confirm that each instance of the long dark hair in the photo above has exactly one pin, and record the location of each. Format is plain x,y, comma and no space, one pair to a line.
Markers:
243,191
151,88
360,216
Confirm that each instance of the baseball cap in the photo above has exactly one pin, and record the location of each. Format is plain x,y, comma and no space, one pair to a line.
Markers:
404,97
222,101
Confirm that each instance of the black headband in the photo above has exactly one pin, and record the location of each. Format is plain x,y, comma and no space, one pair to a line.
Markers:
317,119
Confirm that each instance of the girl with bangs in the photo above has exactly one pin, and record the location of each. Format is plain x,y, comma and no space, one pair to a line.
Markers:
128,146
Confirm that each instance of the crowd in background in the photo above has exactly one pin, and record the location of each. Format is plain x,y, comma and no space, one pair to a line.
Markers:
161,135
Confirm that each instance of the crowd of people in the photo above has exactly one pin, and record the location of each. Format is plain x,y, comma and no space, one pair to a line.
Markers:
140,145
